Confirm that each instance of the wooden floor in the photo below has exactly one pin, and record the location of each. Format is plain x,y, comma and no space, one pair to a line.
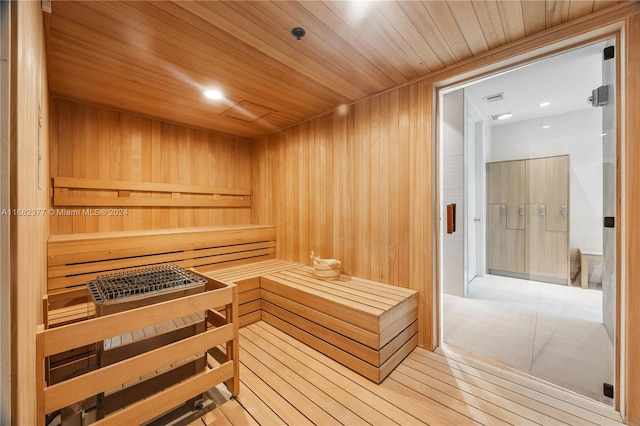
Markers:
287,382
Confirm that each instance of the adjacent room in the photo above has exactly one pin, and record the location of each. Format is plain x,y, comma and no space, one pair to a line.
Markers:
534,148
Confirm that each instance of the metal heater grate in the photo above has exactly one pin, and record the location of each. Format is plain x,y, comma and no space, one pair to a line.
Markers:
142,282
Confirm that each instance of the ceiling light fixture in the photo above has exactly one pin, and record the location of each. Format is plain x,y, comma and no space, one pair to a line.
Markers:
546,126
214,94
544,104
503,116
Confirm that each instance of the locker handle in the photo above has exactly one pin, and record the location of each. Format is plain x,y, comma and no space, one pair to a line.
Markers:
451,218
542,210
563,211
521,210
503,210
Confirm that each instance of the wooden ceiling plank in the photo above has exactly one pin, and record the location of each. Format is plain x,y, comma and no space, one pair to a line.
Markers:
275,19
603,4
580,8
557,12
426,27
246,26
152,106
326,43
469,24
353,39
534,15
489,18
116,76
397,23
377,39
448,26
137,65
246,71
512,19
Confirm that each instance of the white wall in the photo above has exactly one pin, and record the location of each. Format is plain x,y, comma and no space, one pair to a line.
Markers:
452,173
577,134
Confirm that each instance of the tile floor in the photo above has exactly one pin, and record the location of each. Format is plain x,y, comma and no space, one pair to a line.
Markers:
549,331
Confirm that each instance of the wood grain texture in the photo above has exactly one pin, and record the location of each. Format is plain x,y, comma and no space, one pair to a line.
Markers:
426,387
349,185
155,57
632,216
105,145
29,190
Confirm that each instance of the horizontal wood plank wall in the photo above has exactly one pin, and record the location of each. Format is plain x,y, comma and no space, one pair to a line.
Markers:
355,185
29,190
92,142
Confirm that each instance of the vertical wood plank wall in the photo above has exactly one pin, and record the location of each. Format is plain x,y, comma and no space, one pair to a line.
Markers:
29,190
632,218
92,142
5,198
355,185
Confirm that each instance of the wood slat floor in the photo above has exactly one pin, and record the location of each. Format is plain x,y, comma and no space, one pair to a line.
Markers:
287,382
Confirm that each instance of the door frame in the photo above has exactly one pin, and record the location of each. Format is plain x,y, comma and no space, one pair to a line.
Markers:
473,120
489,68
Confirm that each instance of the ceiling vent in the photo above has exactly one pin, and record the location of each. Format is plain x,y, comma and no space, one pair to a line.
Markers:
247,111
494,98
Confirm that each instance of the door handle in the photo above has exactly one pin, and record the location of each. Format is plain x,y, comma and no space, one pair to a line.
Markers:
451,218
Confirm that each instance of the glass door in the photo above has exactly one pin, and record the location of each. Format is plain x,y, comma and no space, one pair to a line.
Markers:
527,190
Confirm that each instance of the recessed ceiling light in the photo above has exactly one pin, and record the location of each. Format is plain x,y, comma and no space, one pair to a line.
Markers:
214,94
546,126
505,116
544,104
602,134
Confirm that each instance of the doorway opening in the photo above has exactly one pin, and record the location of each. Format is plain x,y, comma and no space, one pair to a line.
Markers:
527,183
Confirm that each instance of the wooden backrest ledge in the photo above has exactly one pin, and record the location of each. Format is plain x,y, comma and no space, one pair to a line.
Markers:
101,236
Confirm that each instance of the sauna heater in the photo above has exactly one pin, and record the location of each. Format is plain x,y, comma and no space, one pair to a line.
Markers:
133,289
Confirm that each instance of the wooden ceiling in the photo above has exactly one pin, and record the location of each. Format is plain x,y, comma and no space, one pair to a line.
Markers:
154,58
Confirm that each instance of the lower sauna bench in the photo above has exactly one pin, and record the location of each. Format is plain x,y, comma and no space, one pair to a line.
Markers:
365,325
247,279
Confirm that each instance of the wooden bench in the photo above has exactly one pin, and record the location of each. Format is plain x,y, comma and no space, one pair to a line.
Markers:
368,326
75,259
247,279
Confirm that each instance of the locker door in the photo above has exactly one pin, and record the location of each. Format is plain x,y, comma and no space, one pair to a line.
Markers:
548,183
546,252
506,184
505,247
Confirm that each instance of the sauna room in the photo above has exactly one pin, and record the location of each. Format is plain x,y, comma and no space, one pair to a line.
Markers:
241,213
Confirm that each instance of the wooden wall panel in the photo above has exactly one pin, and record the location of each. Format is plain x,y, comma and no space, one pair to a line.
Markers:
92,142
350,184
5,200
29,190
632,218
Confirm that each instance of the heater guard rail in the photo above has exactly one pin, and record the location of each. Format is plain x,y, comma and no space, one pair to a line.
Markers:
223,330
